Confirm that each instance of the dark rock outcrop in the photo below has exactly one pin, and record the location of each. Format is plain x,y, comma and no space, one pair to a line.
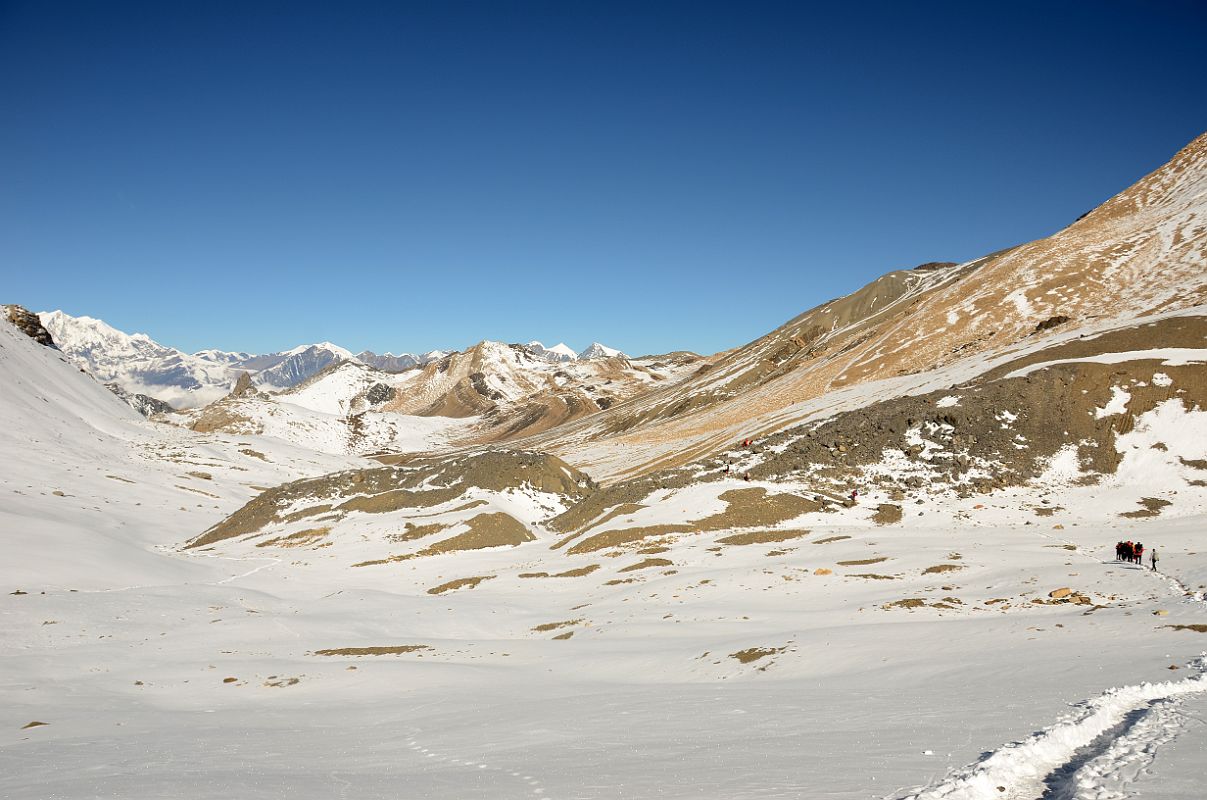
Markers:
243,385
28,323
380,393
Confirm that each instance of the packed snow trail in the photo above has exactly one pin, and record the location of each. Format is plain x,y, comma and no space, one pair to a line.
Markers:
1105,773
272,562
1122,728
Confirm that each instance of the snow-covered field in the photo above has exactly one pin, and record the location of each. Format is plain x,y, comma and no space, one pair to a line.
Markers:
852,661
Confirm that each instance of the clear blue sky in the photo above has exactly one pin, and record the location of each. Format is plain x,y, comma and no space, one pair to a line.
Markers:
655,175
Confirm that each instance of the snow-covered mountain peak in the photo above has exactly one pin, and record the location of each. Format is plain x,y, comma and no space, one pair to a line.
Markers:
559,352
597,350
301,362
78,335
140,365
329,347
223,356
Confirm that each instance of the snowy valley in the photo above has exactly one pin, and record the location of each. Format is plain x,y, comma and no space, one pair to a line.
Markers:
868,555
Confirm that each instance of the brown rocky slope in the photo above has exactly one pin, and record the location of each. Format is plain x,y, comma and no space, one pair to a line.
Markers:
1140,253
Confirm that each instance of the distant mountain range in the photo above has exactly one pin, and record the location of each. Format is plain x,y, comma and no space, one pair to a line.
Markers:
138,365
561,353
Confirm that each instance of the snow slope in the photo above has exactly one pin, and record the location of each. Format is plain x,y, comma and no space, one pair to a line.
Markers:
836,658
788,668
423,630
90,488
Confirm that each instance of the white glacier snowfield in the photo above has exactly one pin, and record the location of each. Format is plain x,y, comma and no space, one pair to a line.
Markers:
786,670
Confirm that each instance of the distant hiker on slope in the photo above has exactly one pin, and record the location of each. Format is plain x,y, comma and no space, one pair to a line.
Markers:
1153,556
1139,553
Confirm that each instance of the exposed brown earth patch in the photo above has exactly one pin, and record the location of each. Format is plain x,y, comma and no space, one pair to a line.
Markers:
414,531
872,576
746,508
460,583
312,511
909,602
392,650
1197,627
762,537
619,511
570,573
552,626
624,536
198,491
887,514
940,568
398,500
752,654
648,564
299,539
454,510
862,562
829,539
485,530
224,416
1152,508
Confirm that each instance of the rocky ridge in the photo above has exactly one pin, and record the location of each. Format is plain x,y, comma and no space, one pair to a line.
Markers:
1139,254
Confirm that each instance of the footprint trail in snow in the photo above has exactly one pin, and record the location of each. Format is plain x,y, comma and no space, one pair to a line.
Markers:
1091,755
531,785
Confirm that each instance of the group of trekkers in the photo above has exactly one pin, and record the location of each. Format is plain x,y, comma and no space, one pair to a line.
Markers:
1133,552
728,465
